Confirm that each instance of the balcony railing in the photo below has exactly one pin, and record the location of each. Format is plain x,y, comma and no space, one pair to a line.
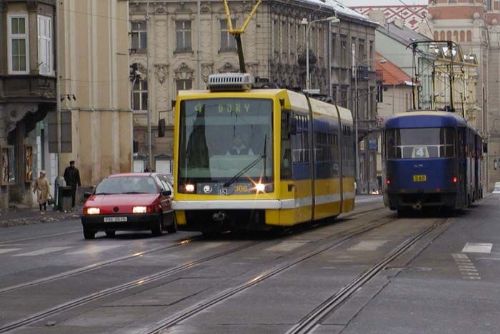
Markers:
27,88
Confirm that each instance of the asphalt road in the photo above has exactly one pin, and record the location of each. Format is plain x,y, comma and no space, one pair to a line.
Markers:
368,272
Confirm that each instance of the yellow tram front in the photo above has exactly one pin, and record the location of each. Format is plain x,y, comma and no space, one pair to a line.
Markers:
233,156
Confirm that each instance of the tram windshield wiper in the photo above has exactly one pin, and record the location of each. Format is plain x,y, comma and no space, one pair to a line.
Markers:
249,166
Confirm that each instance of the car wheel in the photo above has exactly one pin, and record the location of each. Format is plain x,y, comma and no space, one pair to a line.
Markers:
110,233
157,227
88,234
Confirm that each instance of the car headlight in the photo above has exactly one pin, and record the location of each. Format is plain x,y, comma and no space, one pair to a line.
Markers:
93,211
139,209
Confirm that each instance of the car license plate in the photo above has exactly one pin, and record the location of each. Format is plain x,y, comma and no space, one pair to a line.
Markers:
419,178
115,219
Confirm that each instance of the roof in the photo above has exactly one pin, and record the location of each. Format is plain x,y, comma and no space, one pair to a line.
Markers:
425,119
403,34
339,8
391,74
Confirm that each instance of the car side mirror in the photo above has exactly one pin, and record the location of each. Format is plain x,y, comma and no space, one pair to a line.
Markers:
166,192
86,195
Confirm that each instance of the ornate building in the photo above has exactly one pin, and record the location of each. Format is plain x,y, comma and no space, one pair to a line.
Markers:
475,25
176,45
64,99
27,94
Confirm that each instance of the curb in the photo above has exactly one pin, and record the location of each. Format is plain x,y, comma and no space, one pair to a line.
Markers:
37,218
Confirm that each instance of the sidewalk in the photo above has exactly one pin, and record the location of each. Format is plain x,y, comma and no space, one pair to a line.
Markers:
23,215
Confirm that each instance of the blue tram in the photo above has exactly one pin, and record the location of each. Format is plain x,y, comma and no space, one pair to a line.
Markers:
253,159
431,159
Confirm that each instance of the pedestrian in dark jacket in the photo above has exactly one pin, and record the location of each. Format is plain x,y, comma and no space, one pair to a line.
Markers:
72,178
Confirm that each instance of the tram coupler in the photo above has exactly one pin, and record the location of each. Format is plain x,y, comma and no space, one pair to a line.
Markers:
417,206
219,216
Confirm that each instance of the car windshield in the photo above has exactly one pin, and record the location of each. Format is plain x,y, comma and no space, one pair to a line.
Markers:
127,185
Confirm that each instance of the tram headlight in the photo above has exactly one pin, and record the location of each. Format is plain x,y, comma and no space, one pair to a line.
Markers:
260,187
189,188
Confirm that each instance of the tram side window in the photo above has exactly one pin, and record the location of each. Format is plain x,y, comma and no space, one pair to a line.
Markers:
286,145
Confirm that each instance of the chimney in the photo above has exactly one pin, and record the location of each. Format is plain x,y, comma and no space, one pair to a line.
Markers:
378,16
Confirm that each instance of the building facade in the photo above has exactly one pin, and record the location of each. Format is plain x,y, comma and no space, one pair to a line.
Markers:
63,92
176,45
475,25
27,95
94,103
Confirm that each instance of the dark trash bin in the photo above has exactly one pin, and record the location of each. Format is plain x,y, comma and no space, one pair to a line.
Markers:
65,198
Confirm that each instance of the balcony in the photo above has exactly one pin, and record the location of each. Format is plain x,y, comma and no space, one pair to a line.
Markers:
27,88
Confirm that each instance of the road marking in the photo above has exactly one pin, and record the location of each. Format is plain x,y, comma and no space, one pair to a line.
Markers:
93,249
8,250
43,251
367,245
466,267
473,247
285,246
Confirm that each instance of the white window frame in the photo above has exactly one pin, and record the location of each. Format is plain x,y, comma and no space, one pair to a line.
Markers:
227,41
141,35
139,91
45,62
183,34
11,36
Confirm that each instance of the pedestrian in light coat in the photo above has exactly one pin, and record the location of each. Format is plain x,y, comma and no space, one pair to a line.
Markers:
41,187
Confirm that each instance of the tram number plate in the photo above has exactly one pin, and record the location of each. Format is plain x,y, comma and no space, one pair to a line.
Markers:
419,178
115,219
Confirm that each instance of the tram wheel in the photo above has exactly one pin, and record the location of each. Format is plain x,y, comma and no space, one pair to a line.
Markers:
172,228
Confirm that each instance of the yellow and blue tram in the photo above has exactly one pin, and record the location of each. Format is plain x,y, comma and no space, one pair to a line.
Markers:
253,159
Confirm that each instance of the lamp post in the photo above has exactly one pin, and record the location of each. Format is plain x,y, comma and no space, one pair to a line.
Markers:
331,19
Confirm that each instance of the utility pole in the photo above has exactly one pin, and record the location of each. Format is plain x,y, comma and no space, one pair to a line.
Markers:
355,105
148,74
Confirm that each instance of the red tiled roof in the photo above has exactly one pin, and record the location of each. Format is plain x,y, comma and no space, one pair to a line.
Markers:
391,74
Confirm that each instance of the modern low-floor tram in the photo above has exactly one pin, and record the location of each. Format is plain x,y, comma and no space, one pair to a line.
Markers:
295,165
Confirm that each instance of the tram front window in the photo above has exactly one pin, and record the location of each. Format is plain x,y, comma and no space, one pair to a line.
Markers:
225,142
420,143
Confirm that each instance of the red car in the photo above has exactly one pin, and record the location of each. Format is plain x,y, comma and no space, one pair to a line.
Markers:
133,201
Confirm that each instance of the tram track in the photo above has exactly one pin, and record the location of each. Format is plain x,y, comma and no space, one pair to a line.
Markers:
149,279
93,266
313,319
140,282
38,237
210,301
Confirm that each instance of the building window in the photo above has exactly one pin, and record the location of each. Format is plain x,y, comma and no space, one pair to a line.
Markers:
18,44
183,84
139,35
183,35
344,51
140,96
45,52
227,41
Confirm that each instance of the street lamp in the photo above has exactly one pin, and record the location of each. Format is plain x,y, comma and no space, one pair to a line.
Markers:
331,19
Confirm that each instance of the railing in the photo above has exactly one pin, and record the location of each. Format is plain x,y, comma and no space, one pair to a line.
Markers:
28,88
